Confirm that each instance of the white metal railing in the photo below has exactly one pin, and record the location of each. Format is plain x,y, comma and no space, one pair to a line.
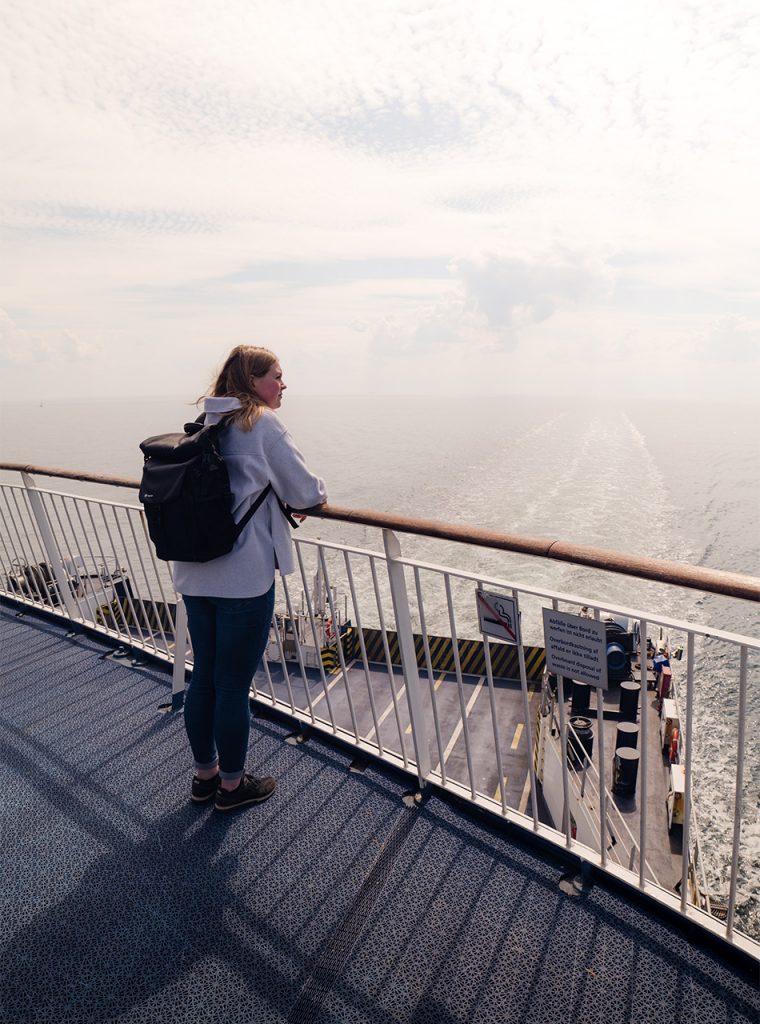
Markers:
89,560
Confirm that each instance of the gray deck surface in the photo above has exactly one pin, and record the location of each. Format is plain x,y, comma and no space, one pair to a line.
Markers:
334,901
474,695
664,847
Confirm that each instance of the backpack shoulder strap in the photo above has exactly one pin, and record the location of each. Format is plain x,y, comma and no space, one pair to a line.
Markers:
286,512
198,424
254,508
257,504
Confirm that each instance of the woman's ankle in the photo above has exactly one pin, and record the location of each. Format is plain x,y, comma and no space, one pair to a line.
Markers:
230,784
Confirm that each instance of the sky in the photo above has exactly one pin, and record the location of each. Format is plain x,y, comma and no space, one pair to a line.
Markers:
534,197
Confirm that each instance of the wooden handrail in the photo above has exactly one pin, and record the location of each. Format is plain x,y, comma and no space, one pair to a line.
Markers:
72,474
679,574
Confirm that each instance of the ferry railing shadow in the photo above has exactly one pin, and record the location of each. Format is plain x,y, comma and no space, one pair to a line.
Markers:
134,927
54,522
122,934
141,912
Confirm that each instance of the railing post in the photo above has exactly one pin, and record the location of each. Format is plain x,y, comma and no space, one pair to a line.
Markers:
400,599
602,766
685,856
51,548
739,791
644,719
180,655
526,715
563,751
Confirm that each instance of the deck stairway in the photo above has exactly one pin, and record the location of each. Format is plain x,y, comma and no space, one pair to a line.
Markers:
336,901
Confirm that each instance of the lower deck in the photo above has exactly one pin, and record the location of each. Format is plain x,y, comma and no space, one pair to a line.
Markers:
367,702
335,901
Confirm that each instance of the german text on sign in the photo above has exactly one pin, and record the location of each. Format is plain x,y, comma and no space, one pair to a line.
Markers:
576,647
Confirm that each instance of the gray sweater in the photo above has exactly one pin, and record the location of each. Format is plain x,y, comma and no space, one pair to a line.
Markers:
264,454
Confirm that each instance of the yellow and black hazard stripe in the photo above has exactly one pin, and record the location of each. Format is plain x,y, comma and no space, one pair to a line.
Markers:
373,642
505,661
349,639
121,614
535,660
441,652
111,615
330,659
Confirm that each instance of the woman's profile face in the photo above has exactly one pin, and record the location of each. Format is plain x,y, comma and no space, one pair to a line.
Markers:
270,387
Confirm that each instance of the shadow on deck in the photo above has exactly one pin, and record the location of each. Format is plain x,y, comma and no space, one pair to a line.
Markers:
333,902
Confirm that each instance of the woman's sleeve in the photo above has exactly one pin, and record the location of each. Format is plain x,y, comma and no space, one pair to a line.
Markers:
291,478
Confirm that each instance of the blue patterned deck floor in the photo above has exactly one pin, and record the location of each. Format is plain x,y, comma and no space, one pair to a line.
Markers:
333,902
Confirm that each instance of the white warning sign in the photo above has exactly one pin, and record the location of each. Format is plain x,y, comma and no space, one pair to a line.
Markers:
498,616
576,647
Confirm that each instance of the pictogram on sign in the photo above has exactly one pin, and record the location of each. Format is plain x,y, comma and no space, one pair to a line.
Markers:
498,616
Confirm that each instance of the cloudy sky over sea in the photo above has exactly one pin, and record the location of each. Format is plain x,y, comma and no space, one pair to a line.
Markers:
396,196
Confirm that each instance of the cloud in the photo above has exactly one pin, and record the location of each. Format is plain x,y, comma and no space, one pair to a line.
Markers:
396,128
732,338
19,347
429,328
511,294
66,220
291,171
300,273
493,302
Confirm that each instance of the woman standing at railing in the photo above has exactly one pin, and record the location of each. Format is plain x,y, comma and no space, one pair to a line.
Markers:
230,600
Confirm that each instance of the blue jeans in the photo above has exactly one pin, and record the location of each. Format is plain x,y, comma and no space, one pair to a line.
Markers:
229,636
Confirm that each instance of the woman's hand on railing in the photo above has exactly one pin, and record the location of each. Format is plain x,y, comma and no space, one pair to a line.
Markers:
302,514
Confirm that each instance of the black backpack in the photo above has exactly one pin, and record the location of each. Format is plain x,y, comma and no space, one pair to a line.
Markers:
185,490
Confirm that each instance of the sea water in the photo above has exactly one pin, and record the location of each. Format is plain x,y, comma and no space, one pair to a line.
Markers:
669,479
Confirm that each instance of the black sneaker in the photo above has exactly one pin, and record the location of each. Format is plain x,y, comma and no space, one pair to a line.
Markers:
251,790
204,789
